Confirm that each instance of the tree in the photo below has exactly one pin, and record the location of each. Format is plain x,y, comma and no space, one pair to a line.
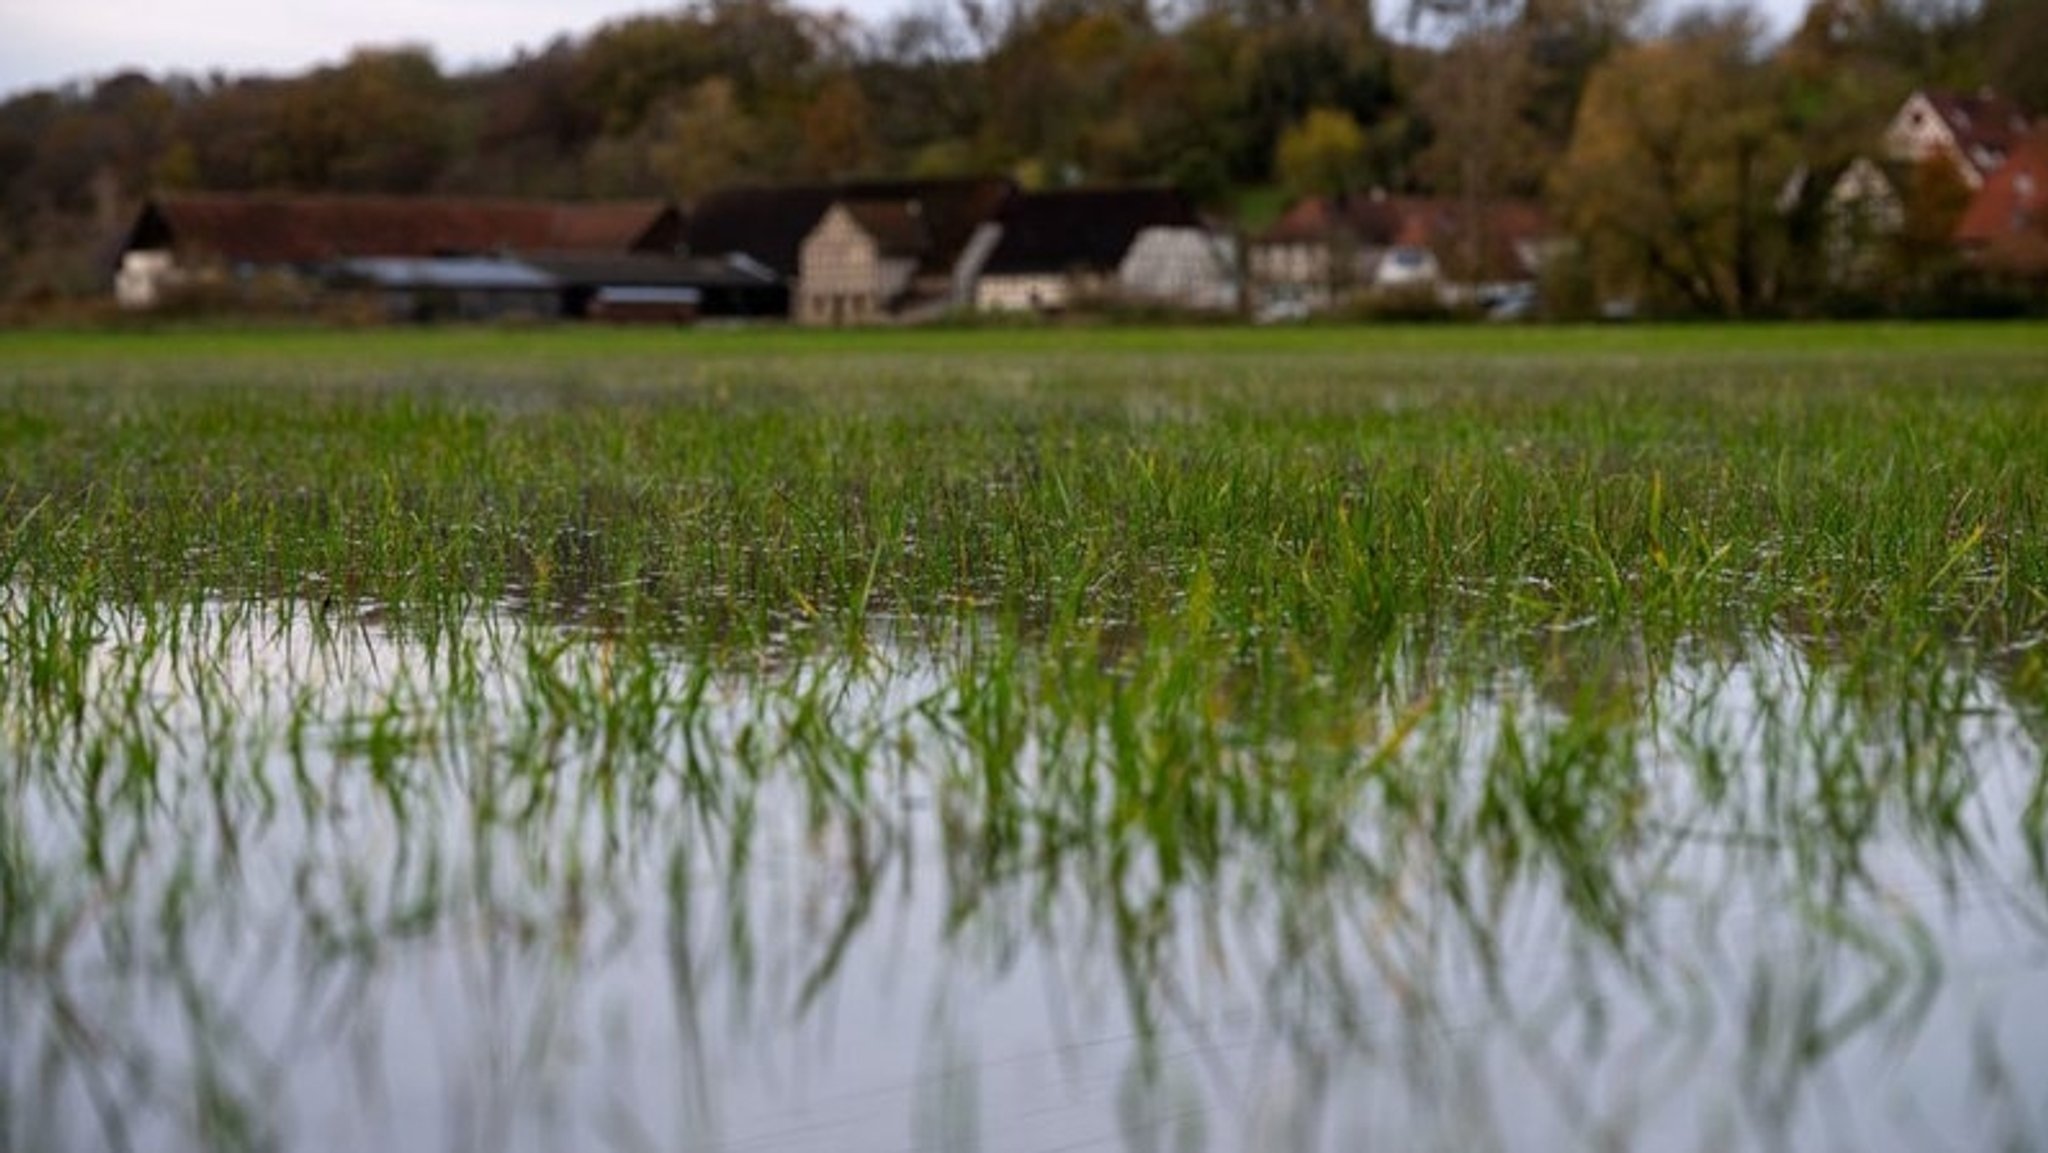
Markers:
1323,155
927,94
1500,97
1566,41
1288,71
839,140
627,67
1481,148
1934,199
704,140
1053,88
1677,157
374,124
2015,33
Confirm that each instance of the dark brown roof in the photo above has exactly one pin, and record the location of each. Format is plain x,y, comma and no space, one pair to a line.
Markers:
769,223
2014,200
1986,126
260,229
1082,228
896,226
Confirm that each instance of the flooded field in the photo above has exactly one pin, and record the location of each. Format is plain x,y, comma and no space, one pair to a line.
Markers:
291,879
1279,753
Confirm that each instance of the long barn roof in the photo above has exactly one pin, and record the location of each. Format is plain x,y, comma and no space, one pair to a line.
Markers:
261,229
1082,228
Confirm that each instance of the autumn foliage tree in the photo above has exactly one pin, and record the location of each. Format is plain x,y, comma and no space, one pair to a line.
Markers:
1323,155
838,132
1676,160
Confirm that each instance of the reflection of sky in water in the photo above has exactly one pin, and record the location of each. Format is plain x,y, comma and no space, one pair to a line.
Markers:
451,920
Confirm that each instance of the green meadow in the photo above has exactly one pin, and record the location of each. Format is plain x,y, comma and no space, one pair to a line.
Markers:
1024,738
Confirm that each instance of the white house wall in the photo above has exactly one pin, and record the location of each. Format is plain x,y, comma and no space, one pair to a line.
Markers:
1918,132
1407,267
1295,263
1311,274
1182,266
838,272
143,278
1021,293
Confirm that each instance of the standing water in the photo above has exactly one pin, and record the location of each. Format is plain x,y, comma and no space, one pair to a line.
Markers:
282,875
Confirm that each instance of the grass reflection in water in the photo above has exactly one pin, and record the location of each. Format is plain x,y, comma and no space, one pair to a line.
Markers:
277,875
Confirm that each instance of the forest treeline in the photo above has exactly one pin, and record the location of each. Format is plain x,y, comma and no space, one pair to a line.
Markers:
1239,102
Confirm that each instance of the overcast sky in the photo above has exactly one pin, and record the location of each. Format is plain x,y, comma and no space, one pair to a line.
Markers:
46,42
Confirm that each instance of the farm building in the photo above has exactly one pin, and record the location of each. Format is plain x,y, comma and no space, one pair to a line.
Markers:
860,261
764,223
188,241
1863,211
855,252
422,288
1049,250
654,287
850,253
632,288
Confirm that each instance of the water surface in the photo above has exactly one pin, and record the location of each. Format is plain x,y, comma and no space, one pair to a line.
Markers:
286,875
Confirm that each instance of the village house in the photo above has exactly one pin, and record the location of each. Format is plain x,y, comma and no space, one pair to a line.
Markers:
1863,211
858,252
858,265
1972,132
1321,250
1867,201
1048,251
1326,251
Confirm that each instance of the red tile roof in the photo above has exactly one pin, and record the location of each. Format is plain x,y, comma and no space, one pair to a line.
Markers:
1439,224
260,229
1370,220
2013,204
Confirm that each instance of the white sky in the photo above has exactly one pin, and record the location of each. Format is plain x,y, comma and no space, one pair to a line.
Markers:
47,42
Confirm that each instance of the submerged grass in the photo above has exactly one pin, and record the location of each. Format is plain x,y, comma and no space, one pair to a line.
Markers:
1326,499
